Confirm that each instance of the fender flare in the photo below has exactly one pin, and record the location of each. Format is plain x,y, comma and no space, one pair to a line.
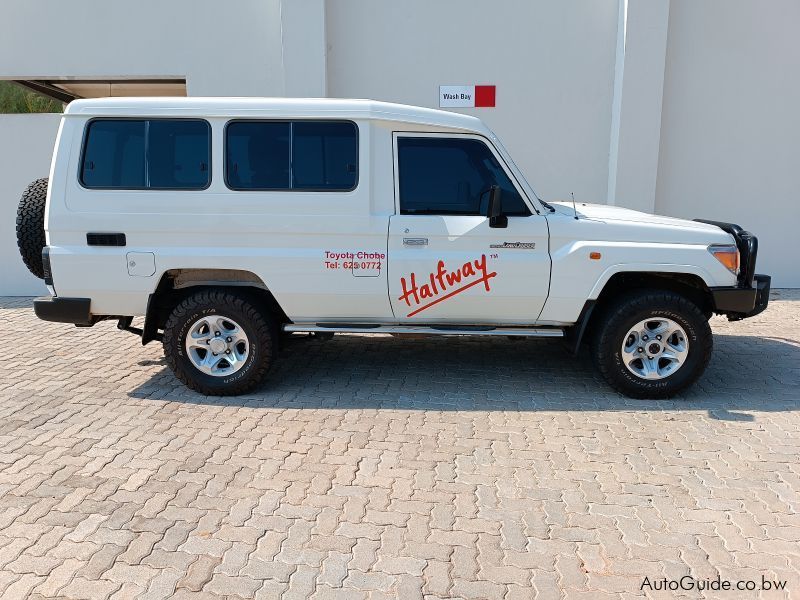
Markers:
173,283
574,334
606,275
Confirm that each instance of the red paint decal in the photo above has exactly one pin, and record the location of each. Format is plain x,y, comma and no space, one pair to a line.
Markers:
485,96
412,291
354,260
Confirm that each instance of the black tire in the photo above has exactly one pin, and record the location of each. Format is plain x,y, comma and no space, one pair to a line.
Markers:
238,306
615,322
30,226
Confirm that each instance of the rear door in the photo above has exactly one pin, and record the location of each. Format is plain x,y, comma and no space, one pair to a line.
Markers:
446,263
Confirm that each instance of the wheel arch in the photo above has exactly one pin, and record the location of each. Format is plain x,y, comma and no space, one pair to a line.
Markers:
689,284
177,284
615,272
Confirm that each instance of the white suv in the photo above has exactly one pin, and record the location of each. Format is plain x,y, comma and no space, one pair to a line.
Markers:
227,223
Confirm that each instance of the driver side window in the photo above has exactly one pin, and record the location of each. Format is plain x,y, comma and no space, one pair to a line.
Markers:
451,176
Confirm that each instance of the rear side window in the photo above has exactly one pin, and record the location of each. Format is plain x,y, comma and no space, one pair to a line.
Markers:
323,156
114,155
258,155
291,155
452,176
147,154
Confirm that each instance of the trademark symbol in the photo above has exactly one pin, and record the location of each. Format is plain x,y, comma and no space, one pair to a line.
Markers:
493,256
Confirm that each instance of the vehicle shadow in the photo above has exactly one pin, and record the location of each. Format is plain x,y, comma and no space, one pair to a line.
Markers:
746,373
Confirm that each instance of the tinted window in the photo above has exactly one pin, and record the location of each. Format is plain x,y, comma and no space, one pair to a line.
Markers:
114,155
324,156
300,155
450,176
258,155
141,154
177,154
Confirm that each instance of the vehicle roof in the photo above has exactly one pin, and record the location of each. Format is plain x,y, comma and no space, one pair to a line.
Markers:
273,108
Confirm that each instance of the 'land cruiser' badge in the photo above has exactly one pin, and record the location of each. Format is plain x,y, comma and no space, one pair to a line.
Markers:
515,245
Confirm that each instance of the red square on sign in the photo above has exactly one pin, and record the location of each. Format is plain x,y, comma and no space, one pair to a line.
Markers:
484,95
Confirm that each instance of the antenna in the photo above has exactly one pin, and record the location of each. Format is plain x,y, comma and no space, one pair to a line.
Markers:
575,210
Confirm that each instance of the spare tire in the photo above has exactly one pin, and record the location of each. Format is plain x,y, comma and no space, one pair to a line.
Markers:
30,226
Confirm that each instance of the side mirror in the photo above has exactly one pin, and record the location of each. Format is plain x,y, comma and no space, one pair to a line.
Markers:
496,217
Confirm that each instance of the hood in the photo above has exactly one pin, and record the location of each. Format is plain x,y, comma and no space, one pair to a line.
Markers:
604,212
644,224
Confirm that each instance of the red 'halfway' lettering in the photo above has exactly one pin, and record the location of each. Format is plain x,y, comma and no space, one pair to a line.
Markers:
446,280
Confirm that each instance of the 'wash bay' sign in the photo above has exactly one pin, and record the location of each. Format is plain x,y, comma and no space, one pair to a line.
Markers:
478,96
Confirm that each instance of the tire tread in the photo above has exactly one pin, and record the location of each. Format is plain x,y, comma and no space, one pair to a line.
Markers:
603,346
30,226
265,331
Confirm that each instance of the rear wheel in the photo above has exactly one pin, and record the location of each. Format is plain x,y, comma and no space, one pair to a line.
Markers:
652,344
219,343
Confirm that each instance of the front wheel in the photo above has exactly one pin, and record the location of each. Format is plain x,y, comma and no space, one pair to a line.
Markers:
218,343
652,344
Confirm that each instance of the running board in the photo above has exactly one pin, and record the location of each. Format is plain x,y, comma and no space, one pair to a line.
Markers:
423,330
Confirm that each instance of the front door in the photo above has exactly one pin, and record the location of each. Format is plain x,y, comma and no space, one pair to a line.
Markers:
446,263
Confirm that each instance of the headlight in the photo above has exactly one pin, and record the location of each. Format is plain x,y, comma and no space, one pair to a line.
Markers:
728,255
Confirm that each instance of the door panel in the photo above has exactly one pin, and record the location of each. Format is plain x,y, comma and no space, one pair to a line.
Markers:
446,264
454,268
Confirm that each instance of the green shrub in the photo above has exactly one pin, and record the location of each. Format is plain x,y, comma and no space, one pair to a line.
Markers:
16,99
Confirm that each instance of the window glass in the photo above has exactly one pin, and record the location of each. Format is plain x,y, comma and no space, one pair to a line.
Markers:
324,155
258,155
114,154
452,176
178,154
141,154
300,155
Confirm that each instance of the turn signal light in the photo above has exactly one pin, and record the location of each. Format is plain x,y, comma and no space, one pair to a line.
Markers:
728,256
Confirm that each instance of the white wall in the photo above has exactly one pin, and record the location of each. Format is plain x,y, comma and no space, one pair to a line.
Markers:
704,122
636,116
26,145
552,62
730,132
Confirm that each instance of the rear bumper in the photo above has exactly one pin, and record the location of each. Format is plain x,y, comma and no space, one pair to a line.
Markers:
742,302
63,310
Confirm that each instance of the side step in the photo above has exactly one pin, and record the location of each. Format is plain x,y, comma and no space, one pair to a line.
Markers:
552,332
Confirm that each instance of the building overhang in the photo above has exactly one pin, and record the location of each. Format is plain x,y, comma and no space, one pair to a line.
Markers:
68,89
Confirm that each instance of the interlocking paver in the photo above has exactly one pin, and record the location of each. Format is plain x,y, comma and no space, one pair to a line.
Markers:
222,584
59,577
87,589
199,573
392,468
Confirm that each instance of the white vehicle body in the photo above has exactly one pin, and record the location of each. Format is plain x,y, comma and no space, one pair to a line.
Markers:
348,257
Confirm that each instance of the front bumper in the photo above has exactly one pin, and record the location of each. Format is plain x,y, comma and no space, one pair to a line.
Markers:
750,295
742,302
63,310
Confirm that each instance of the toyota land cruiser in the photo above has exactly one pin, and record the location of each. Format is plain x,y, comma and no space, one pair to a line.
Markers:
227,223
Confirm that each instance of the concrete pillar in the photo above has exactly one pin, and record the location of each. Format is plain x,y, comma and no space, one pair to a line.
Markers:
304,48
636,108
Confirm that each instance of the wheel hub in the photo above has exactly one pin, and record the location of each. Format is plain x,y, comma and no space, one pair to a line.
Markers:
217,345
655,348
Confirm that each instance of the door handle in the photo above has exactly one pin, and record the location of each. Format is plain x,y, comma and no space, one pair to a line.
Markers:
415,241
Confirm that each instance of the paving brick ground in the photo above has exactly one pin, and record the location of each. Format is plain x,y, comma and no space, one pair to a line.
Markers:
386,468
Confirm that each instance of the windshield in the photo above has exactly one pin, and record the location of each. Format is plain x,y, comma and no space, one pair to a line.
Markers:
517,171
